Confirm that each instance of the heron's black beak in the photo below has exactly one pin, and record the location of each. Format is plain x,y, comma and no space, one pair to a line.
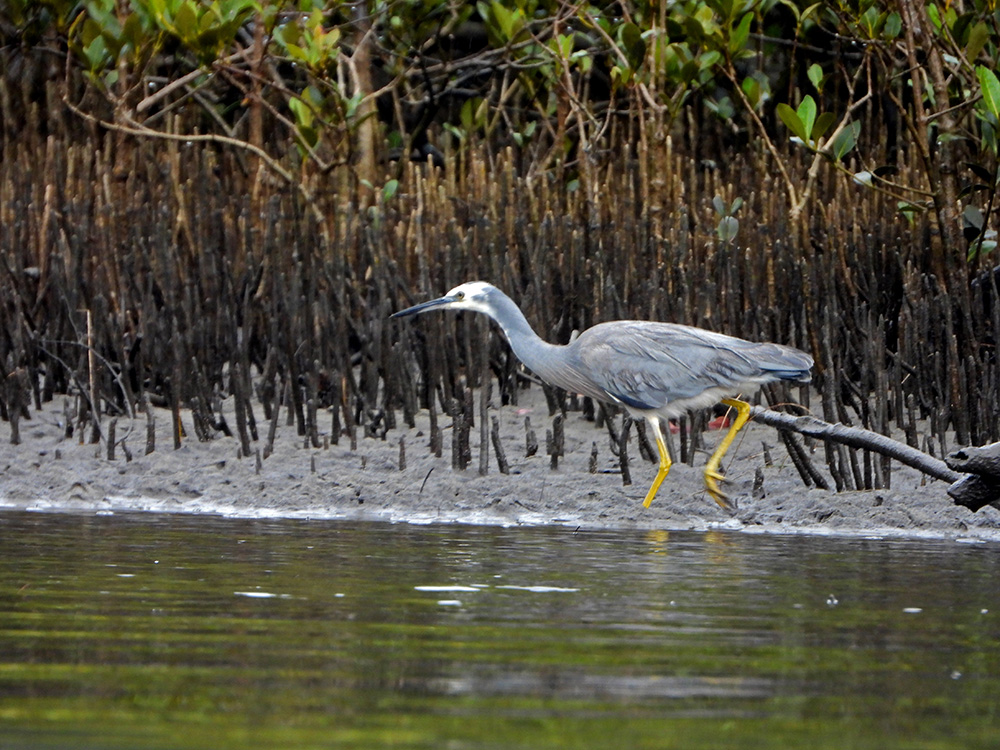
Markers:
433,304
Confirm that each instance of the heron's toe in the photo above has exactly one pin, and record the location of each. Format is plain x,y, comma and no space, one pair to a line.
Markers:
712,479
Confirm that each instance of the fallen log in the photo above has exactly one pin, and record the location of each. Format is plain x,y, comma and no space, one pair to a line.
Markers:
982,485
976,486
984,460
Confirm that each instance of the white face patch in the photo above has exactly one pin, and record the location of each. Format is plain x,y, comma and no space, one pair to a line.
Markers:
471,289
471,295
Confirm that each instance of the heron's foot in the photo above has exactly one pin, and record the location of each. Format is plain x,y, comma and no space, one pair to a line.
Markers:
712,479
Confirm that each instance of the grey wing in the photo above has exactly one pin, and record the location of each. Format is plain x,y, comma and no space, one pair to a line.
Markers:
647,365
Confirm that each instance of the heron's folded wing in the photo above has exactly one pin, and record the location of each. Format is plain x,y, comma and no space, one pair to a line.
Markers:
646,365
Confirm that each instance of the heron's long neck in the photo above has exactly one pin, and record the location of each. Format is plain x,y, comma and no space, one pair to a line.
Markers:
537,355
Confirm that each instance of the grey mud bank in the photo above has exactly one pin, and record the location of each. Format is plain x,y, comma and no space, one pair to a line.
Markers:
48,472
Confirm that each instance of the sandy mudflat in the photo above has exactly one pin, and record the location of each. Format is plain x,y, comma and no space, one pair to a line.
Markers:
50,473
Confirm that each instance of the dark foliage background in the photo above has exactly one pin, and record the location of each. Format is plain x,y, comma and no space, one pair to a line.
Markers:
199,200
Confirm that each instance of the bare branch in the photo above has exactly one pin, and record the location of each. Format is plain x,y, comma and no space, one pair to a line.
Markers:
856,437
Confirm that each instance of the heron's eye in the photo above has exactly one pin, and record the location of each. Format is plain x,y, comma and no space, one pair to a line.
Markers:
460,295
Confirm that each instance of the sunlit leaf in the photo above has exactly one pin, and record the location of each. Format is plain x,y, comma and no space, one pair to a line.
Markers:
751,87
186,21
813,9
302,111
815,74
807,115
792,121
207,22
935,15
869,21
565,43
708,59
740,34
991,89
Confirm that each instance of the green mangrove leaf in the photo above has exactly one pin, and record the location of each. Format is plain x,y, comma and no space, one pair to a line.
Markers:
815,74
807,114
302,111
792,121
96,53
564,45
633,45
693,29
991,89
751,87
502,22
823,123
728,228
689,71
935,15
740,34
981,248
814,9
846,140
893,25
978,36
132,31
708,59
186,21
723,7
960,29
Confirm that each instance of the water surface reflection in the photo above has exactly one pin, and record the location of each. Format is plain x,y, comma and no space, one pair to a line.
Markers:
184,632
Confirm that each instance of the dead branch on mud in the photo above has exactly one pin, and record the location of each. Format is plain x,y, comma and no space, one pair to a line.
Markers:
976,486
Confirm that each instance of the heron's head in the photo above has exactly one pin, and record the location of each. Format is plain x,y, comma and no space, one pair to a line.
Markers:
472,295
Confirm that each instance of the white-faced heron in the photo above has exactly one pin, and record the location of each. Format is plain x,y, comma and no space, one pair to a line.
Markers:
657,371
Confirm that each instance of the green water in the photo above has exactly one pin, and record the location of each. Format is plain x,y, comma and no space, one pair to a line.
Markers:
184,632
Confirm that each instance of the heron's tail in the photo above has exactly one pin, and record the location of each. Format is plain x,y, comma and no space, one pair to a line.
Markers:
796,376
788,363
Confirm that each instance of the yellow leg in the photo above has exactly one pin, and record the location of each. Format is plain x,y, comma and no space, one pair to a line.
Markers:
712,475
665,461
